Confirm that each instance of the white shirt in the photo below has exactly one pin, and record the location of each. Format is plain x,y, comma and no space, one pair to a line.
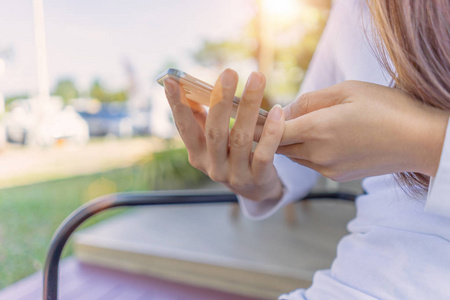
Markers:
398,247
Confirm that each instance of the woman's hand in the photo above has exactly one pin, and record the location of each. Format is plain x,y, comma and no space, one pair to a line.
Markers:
226,156
357,129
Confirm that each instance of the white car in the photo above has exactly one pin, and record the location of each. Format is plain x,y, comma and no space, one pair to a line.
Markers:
43,123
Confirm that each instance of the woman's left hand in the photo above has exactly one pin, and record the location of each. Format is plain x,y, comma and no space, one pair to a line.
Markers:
226,155
357,129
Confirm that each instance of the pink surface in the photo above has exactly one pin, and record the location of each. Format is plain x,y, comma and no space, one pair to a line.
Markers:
86,282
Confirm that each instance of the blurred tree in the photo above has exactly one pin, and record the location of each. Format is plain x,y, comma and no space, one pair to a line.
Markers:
121,95
66,89
217,54
281,45
12,98
99,92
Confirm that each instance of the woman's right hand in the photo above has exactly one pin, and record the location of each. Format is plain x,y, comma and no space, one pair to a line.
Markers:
226,156
358,129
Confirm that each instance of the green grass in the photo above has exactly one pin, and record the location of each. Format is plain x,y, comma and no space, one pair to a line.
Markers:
30,214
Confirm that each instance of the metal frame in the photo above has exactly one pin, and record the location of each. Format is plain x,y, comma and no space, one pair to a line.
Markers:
173,197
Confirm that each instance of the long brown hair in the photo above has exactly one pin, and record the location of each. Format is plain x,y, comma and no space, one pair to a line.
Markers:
413,43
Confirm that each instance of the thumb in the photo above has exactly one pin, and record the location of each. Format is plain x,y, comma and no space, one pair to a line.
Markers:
313,101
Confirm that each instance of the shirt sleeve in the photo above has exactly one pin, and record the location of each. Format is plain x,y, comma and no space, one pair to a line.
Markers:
438,200
297,181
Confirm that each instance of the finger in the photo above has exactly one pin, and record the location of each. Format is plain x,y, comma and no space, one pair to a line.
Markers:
312,101
190,131
315,125
241,136
262,162
199,112
218,120
258,131
300,129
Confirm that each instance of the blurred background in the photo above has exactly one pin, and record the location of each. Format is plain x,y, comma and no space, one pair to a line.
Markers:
81,114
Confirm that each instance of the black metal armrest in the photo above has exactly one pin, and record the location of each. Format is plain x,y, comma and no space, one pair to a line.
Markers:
172,197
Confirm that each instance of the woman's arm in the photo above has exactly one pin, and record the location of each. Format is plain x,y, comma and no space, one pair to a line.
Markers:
357,129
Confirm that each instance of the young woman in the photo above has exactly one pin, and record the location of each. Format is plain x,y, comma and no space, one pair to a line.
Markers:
399,242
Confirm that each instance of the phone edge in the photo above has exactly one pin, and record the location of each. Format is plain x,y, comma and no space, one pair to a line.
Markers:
204,85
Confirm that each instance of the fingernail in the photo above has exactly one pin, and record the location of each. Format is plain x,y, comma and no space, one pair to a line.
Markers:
227,78
275,113
254,81
169,86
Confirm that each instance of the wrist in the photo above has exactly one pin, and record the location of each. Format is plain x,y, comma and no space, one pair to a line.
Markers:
276,194
430,141
261,194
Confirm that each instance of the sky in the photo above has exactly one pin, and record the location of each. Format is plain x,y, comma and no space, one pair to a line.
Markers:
89,39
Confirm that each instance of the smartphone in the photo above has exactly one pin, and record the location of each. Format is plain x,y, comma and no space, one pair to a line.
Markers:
200,91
